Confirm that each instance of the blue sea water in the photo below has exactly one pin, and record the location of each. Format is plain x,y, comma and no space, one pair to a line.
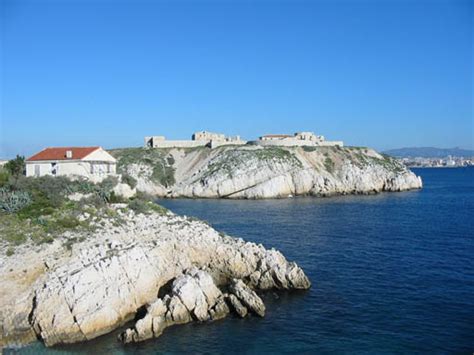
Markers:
391,273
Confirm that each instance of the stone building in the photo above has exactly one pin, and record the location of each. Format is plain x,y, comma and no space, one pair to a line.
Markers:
199,139
93,163
298,139
208,136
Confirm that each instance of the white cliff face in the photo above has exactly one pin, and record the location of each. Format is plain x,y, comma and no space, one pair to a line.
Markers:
64,295
273,172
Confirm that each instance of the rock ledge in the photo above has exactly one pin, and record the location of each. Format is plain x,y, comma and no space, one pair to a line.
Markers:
61,295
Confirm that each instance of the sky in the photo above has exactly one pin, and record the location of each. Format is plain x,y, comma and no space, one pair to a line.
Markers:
379,73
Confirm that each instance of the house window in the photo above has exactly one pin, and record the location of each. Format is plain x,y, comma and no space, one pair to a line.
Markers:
109,168
92,168
37,170
54,168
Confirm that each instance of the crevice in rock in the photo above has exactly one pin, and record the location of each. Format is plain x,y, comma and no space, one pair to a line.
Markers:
140,313
31,318
165,289
32,312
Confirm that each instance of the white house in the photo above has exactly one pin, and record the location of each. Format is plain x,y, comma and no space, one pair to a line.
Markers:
93,163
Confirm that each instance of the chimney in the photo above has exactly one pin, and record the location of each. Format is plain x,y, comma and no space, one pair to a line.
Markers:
69,154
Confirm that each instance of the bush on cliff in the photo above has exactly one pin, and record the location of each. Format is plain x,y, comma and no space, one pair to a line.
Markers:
329,164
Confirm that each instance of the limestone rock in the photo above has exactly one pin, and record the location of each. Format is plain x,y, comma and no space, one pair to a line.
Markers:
187,297
124,190
67,296
237,306
252,172
248,297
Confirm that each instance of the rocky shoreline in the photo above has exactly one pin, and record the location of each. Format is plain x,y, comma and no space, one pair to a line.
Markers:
254,172
176,268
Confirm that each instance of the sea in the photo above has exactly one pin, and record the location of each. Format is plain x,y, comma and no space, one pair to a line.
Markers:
391,273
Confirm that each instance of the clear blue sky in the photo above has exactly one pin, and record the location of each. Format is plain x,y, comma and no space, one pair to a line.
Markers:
379,73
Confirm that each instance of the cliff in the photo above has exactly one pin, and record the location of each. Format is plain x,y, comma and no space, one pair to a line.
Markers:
173,269
263,172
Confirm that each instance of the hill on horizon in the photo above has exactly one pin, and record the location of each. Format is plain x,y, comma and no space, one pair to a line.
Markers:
429,152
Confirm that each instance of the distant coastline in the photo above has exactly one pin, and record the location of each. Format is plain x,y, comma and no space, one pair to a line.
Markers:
429,157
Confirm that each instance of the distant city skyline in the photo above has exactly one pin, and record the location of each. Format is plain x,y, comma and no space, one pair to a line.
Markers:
385,74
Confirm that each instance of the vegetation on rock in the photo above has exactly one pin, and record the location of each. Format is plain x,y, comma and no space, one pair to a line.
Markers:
159,160
40,209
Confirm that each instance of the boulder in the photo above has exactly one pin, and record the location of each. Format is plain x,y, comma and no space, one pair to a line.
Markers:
124,190
247,296
237,306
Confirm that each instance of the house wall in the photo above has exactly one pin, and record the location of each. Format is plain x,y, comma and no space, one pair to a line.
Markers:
100,155
93,170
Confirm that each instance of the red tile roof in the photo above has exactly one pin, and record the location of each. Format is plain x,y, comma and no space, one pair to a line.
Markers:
60,153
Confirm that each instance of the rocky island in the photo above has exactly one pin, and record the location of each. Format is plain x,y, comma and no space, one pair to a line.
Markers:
253,171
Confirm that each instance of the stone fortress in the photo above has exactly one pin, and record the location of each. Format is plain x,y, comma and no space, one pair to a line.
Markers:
298,139
213,140
199,139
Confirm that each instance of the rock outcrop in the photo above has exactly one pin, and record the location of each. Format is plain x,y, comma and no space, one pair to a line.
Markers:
265,172
174,267
248,297
193,296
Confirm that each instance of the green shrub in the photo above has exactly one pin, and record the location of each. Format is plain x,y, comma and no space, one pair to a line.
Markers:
54,189
139,206
68,222
82,186
113,198
109,182
145,196
13,201
329,164
40,206
16,167
129,180
4,176
10,251
94,200
163,174
159,209
308,148
170,160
